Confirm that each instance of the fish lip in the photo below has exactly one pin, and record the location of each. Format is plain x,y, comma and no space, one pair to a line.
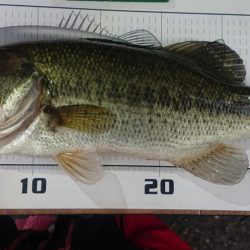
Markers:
30,107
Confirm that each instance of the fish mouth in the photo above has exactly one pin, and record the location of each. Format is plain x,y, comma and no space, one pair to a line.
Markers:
29,108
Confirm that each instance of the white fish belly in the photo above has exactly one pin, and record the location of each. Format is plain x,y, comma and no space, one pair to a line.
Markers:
165,136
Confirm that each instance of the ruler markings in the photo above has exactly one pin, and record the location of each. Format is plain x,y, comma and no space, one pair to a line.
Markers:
145,11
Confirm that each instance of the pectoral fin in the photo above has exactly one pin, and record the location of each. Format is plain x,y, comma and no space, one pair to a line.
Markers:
84,118
81,166
221,164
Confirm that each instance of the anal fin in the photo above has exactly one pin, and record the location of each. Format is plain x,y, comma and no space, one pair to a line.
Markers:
220,164
81,166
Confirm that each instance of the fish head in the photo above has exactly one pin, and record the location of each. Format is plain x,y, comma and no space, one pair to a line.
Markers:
21,97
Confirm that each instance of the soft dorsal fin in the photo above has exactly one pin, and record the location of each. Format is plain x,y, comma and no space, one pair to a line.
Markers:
142,38
138,38
216,57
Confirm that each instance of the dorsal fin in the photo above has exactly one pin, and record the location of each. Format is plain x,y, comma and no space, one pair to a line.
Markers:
139,37
142,38
19,34
136,38
214,56
76,26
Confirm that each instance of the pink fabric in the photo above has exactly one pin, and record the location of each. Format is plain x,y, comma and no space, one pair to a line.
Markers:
35,222
149,232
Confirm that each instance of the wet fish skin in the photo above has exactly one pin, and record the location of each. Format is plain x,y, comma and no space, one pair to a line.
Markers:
166,106
104,74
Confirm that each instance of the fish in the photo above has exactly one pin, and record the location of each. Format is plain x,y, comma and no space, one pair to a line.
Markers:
76,99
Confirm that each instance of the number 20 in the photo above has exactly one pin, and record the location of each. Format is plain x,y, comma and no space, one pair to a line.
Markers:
166,186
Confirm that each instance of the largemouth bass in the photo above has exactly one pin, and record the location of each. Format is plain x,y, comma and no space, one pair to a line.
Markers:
77,99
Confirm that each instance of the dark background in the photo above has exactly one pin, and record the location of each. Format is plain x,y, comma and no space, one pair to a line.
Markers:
204,232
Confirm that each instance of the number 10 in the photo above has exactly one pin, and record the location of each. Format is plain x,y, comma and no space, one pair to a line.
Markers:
38,185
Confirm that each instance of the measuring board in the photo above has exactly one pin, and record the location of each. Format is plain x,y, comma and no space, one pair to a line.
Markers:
129,184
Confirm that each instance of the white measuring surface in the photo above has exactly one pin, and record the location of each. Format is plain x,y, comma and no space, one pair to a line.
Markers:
36,183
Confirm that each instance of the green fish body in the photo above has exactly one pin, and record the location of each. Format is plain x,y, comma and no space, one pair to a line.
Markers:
75,100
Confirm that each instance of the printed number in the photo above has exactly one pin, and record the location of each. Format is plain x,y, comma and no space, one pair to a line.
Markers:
151,186
38,185
166,186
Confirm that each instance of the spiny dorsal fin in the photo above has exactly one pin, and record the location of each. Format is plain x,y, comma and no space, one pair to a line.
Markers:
214,56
